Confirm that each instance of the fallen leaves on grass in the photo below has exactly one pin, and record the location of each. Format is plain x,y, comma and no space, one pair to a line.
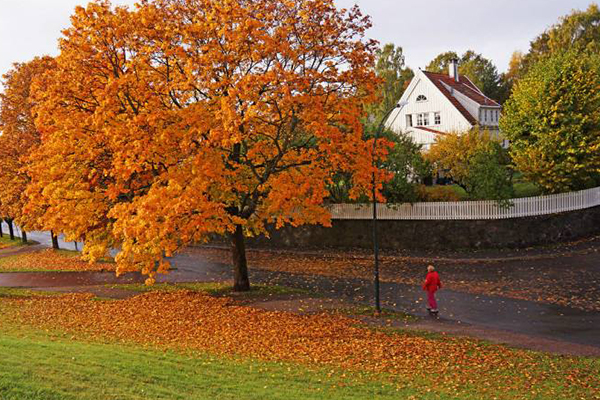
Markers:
192,320
51,260
6,243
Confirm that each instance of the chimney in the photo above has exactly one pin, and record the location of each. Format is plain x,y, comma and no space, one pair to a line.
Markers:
453,69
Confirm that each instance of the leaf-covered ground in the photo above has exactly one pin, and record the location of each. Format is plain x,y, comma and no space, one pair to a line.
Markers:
5,242
534,280
190,320
38,366
51,260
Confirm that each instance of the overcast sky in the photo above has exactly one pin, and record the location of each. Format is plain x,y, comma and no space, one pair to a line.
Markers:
424,29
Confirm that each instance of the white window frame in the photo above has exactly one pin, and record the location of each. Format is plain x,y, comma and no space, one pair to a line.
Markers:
425,119
420,119
421,98
409,120
437,118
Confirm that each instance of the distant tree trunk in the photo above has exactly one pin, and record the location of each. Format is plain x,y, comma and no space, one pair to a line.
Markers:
54,241
24,236
1,234
241,282
11,232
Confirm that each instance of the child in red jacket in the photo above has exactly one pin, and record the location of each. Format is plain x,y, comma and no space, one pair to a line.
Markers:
431,285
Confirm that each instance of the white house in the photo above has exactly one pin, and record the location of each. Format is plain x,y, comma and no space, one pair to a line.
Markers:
435,104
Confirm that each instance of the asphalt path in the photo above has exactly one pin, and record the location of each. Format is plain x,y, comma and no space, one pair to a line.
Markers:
494,312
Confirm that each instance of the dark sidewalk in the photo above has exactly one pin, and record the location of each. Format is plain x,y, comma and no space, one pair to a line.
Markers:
493,312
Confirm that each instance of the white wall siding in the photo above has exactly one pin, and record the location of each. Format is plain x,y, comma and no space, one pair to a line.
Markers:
489,120
472,210
422,137
451,119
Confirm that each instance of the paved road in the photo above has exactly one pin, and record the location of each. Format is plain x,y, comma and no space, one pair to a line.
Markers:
43,238
525,317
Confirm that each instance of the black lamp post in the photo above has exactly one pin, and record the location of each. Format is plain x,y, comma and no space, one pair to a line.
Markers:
375,239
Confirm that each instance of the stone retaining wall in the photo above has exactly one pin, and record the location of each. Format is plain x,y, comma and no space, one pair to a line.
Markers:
443,234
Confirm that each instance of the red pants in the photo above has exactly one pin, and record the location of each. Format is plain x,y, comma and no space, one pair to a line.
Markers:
431,299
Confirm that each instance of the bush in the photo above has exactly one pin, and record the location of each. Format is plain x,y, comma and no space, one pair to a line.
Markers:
437,193
476,162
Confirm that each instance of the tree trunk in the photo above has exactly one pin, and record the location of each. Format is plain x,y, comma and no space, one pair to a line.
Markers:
241,282
24,236
54,241
10,229
1,233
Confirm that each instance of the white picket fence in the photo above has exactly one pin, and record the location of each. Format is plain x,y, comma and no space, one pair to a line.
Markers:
524,207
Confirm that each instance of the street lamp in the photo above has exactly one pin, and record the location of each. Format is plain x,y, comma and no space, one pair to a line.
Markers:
398,107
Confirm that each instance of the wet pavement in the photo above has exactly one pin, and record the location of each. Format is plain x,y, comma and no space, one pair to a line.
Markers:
494,312
545,320
42,238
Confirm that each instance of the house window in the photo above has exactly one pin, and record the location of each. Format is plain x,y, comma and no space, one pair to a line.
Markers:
425,119
409,120
420,119
437,118
421,98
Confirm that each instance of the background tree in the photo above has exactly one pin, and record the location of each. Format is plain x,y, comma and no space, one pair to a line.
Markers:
480,70
579,31
475,162
188,118
440,63
511,76
19,137
407,167
553,122
394,77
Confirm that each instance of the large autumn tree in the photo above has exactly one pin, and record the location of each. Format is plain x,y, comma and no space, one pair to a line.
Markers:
579,30
553,122
19,137
188,118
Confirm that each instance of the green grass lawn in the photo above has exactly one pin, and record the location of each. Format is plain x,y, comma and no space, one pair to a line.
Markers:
526,189
35,365
211,288
460,192
6,242
40,364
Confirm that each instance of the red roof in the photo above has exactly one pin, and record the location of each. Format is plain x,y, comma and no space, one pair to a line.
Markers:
465,87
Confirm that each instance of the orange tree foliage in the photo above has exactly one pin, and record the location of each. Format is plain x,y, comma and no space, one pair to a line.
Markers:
187,118
19,136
